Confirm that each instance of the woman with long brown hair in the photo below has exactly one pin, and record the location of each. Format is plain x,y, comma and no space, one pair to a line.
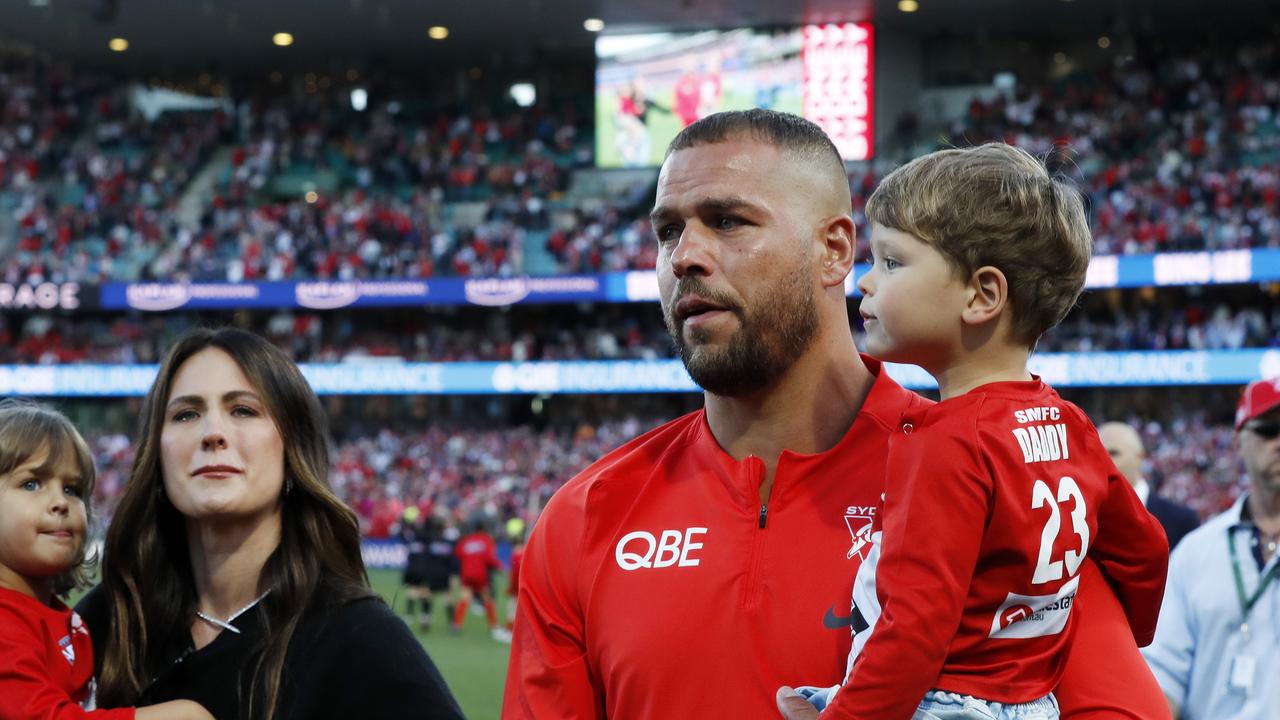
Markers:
232,574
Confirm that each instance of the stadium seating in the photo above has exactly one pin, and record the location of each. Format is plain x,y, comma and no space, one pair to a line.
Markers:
1174,152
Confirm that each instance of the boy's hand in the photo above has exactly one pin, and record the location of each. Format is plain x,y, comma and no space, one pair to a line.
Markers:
794,707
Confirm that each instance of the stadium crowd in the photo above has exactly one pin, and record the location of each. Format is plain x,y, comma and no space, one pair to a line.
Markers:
456,473
511,472
1176,150
302,187
1185,324
609,332
605,332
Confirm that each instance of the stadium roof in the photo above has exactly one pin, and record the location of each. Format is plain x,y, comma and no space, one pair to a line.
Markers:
237,33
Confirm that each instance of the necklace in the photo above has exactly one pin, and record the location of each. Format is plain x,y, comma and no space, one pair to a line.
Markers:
226,624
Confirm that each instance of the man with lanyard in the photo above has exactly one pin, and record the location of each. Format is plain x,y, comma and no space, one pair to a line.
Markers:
1217,647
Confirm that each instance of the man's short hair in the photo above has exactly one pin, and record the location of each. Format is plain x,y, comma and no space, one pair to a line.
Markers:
996,205
781,130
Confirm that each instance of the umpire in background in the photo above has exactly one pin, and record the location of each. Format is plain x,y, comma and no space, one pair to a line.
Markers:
1125,446
431,566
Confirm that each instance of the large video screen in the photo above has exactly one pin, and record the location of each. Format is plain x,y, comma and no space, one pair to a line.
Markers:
649,87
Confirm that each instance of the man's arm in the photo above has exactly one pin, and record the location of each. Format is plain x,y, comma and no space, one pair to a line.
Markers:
1132,551
549,675
1105,676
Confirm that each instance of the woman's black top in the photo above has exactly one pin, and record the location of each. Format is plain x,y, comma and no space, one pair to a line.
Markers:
355,660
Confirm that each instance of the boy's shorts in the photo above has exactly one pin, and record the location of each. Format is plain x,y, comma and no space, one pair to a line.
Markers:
478,584
943,705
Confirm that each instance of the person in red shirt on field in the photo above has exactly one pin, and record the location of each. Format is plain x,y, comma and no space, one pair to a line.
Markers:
699,566
994,496
477,558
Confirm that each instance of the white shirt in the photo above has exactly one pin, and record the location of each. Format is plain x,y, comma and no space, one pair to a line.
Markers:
1143,489
1199,636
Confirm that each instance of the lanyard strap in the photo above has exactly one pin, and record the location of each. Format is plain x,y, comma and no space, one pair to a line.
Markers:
1246,602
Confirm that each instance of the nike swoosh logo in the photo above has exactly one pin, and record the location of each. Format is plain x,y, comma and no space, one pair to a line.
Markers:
854,620
831,621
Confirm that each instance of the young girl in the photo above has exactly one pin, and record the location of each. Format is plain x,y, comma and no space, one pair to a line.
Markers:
46,659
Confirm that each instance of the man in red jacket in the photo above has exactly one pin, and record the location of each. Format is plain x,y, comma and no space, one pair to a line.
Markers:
695,569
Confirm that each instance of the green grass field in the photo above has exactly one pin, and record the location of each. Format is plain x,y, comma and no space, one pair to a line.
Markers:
474,665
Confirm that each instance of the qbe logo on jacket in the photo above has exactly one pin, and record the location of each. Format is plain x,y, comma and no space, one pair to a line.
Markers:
642,549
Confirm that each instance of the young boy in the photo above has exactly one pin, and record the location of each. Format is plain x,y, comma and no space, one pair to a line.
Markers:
46,658
993,496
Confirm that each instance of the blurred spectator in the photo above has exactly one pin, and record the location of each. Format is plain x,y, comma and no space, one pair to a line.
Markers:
455,473
1125,447
607,332
1234,318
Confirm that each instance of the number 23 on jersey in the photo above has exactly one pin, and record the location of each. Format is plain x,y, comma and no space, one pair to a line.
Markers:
1047,569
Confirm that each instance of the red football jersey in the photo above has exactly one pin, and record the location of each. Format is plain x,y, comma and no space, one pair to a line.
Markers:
477,553
992,501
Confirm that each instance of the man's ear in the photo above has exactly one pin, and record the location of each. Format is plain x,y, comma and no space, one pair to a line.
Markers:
837,248
987,296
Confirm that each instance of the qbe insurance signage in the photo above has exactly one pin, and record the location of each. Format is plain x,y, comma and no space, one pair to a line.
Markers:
839,64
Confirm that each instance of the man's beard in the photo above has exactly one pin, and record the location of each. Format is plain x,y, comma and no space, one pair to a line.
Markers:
771,337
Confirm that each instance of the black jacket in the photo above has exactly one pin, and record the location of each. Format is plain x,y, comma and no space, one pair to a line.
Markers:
1177,519
357,660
